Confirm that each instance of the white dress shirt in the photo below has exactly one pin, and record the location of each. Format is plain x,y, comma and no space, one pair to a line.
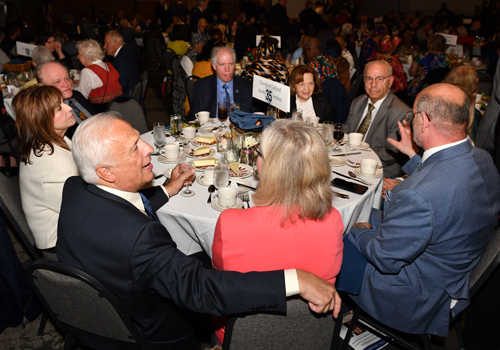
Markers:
374,113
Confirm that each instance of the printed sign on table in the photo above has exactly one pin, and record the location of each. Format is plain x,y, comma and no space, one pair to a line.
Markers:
24,49
271,92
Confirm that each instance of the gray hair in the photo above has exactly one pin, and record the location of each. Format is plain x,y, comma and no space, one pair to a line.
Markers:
384,63
90,148
41,55
91,50
217,49
346,28
115,36
448,116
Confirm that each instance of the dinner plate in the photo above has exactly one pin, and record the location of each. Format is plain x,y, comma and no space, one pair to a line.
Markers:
200,180
207,130
337,160
212,152
245,171
180,159
363,145
242,189
378,173
215,204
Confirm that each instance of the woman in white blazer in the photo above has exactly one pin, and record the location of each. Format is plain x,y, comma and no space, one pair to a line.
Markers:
42,119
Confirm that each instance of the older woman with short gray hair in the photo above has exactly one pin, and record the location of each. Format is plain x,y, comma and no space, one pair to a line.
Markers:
99,81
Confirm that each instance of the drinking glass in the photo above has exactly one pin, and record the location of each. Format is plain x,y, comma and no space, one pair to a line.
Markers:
272,112
338,135
159,134
327,132
235,106
288,60
297,115
187,192
222,109
221,174
176,125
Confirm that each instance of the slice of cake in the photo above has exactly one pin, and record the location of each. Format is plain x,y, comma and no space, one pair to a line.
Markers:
203,163
201,151
206,140
234,169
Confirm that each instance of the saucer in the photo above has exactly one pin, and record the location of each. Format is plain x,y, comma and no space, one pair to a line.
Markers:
200,180
215,204
378,173
164,160
337,160
363,145
207,130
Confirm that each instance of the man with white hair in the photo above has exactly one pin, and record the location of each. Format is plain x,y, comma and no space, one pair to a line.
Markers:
40,55
123,61
124,245
221,86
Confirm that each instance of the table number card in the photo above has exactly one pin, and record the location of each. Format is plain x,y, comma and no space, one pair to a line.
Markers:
24,49
450,39
271,92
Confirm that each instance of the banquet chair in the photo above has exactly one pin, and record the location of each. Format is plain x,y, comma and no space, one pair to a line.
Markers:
355,87
334,89
189,83
131,111
136,90
488,262
82,308
300,328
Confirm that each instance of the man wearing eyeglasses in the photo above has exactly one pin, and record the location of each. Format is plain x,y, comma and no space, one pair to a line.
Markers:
439,221
376,115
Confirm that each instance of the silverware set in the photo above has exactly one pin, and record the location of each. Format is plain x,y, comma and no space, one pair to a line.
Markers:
341,195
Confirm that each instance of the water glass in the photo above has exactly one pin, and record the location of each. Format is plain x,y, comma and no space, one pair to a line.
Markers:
297,115
235,106
327,132
159,134
176,125
221,174
187,192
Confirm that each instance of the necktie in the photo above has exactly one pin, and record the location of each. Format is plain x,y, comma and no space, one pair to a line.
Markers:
149,209
79,115
363,127
227,98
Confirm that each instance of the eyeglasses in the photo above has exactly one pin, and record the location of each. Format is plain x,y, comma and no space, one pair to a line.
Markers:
410,115
259,152
378,80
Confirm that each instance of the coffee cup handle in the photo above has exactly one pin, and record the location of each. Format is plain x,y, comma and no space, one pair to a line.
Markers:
161,151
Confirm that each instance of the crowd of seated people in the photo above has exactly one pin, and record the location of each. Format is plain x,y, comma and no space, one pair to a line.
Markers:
414,103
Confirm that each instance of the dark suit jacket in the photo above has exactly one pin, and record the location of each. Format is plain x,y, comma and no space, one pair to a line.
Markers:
385,125
205,95
194,17
77,95
135,257
126,65
323,107
422,252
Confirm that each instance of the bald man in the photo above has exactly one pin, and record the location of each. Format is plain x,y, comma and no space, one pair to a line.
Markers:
437,224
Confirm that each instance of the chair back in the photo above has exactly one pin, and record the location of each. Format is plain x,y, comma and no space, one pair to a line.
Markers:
488,263
300,328
10,203
136,90
176,65
81,305
131,111
354,91
190,87
144,78
168,58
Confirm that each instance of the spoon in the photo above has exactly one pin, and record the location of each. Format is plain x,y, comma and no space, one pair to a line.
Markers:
211,189
354,176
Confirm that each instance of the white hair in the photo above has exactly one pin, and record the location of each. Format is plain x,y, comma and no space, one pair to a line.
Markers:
90,148
217,49
91,50
41,55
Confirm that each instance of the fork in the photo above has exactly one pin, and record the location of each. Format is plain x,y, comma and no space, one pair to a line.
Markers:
246,199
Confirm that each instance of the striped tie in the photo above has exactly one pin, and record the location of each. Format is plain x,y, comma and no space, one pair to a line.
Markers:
363,127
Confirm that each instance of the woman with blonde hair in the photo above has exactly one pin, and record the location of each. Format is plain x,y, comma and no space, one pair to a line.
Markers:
293,223
305,91
42,119
99,81
466,78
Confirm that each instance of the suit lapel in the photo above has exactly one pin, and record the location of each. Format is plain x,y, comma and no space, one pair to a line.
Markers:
381,114
357,114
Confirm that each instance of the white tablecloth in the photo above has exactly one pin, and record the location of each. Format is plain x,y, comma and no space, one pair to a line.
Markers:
191,221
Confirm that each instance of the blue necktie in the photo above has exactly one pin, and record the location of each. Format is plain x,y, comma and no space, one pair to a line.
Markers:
149,209
227,98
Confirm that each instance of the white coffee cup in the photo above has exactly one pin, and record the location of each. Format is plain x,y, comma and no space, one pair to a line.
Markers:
189,132
314,121
203,116
368,166
355,138
15,91
208,175
171,151
227,196
479,97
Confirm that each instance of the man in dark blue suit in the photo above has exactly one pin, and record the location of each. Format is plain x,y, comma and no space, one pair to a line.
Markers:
437,224
110,230
123,61
212,89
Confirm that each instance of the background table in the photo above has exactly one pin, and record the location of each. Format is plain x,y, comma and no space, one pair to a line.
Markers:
191,221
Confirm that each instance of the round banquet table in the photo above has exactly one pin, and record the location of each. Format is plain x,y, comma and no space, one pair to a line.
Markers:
191,221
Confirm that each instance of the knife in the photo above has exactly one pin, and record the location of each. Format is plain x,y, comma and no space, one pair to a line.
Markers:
242,184
350,178
344,154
